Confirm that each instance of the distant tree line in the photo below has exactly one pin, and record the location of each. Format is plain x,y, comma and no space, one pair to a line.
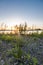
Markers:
21,29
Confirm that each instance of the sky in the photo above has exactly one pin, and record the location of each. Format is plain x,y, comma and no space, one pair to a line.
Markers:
14,12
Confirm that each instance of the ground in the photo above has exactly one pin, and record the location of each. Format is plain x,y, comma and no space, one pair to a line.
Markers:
21,50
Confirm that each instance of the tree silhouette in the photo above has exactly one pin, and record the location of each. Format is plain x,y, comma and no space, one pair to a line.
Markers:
20,28
25,28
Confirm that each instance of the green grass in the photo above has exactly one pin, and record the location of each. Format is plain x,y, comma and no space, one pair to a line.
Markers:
18,42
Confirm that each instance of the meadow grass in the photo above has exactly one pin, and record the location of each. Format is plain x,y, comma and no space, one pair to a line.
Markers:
18,42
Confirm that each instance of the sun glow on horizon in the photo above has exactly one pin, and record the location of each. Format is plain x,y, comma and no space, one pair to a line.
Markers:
13,21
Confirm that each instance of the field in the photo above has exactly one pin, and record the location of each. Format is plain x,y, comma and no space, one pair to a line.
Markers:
21,49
